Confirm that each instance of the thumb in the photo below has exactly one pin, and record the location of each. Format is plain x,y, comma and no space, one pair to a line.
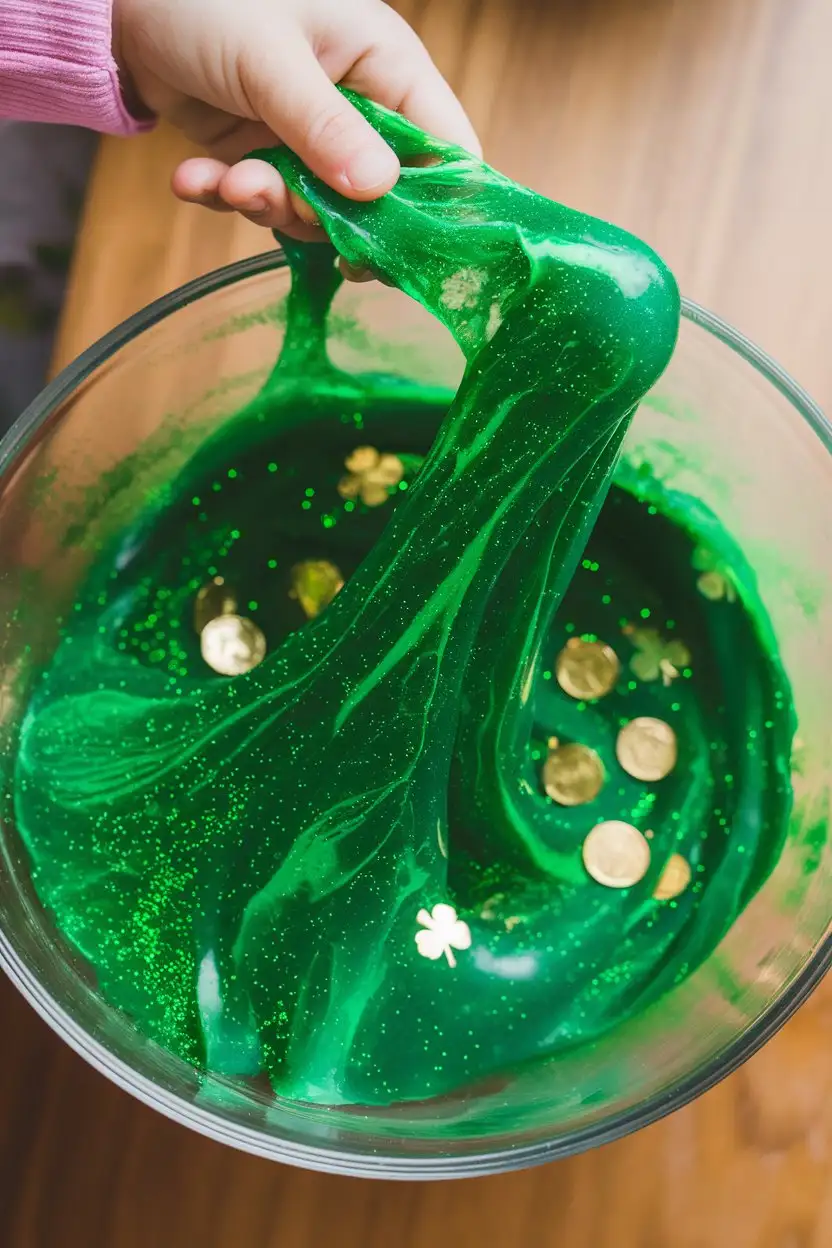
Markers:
299,103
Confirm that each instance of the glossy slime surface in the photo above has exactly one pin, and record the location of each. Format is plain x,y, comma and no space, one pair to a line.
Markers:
252,864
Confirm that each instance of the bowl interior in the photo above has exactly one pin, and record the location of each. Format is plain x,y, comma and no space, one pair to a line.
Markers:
723,425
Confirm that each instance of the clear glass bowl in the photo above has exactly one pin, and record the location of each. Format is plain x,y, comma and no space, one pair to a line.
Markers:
724,423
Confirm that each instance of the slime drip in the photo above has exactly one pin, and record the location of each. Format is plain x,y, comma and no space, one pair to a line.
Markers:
341,867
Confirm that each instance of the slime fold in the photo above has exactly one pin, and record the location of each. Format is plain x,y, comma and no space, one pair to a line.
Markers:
340,867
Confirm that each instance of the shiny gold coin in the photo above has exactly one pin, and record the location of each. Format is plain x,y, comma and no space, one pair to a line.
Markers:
674,879
573,774
215,598
647,748
587,669
232,645
616,854
315,582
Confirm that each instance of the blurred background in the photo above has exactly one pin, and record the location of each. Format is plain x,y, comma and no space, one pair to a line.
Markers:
705,126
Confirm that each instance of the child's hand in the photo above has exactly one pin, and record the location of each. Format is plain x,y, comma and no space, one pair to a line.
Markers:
239,74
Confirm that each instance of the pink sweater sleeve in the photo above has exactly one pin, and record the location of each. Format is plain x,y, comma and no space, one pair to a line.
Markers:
56,64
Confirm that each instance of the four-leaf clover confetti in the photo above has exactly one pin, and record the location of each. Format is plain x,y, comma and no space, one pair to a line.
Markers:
370,476
443,933
656,656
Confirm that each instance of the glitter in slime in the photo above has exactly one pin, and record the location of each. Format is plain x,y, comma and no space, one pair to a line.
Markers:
252,865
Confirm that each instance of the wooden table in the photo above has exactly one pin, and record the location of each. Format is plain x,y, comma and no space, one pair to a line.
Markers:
705,126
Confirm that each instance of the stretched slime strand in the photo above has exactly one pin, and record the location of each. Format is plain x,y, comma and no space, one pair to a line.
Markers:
219,835
565,322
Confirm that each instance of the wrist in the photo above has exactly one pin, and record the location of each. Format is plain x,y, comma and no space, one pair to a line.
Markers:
131,95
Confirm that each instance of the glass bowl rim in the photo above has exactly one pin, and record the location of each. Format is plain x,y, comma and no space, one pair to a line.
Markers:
378,1164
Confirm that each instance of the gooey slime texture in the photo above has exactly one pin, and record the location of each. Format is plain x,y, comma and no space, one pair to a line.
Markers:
243,860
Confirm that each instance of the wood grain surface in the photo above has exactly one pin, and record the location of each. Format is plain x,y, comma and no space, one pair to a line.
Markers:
706,127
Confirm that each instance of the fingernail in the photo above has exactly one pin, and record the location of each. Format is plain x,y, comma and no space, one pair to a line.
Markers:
305,211
371,167
355,273
256,205
309,216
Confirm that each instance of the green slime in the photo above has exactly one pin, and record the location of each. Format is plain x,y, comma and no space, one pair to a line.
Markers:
242,861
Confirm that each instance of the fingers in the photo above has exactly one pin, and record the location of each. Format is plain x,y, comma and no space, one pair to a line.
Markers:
398,72
197,181
250,187
332,138
315,121
256,190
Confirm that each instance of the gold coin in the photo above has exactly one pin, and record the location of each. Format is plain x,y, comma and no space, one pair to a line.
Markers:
215,598
616,854
315,582
587,669
674,879
232,645
647,748
573,774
